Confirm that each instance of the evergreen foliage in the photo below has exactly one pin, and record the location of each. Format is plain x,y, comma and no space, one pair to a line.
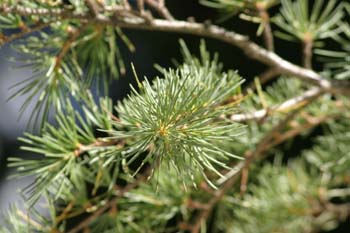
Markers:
195,149
319,22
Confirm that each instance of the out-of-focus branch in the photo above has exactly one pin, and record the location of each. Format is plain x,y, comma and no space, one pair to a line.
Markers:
125,17
273,138
218,194
93,6
99,143
307,51
234,174
112,202
134,21
265,144
265,77
267,33
160,8
52,12
250,48
286,106
67,45
7,39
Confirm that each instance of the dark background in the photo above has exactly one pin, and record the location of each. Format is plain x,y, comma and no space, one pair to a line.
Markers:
151,47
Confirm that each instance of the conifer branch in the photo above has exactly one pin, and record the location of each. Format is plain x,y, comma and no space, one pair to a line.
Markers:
67,45
286,106
30,221
29,30
160,8
51,12
238,169
99,143
307,51
268,142
175,127
94,7
271,139
251,49
268,36
265,77
112,202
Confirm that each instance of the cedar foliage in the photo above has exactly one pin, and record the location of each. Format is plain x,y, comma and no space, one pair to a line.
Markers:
195,149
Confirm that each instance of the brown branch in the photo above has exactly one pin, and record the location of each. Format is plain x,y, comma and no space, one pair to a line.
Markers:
29,30
342,211
307,51
252,50
272,139
141,5
286,106
234,174
245,174
66,46
100,143
160,8
297,130
262,147
93,7
204,214
111,203
267,142
268,36
65,212
265,77
126,4
25,217
52,12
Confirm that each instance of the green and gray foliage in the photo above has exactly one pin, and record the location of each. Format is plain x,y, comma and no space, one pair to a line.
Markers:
196,149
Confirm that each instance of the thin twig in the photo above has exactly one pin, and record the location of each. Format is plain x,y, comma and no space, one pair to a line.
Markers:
342,211
25,217
297,130
141,5
307,51
126,4
35,28
286,106
64,213
265,77
93,6
81,149
262,147
52,12
111,203
269,141
160,8
67,45
245,174
268,36
204,214
233,178
341,192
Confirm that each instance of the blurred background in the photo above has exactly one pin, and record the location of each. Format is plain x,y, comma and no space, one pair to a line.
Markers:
151,48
